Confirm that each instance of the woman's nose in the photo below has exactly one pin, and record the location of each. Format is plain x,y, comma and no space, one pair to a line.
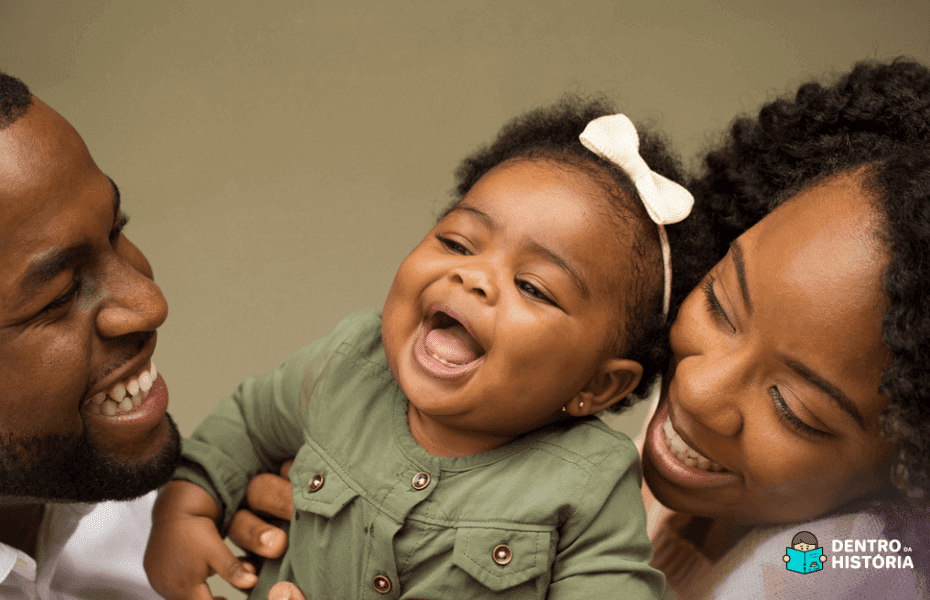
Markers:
711,388
133,302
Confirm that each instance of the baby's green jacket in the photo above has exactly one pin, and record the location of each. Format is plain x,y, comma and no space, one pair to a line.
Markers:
555,514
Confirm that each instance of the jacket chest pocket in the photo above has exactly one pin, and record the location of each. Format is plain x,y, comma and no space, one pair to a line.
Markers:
318,488
504,560
327,542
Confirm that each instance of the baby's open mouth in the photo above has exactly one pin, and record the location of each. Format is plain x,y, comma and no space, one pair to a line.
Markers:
449,342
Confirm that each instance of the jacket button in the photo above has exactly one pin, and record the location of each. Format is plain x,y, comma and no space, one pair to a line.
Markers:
420,481
381,584
502,554
316,483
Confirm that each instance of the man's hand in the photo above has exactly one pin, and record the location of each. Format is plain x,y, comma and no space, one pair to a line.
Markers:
267,494
285,591
185,546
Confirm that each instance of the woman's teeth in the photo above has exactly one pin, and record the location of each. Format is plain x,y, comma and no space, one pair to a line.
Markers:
126,395
684,452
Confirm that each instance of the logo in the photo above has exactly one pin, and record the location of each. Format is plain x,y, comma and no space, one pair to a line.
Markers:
804,556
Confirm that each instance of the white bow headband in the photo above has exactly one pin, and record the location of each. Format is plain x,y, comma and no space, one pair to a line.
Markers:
614,138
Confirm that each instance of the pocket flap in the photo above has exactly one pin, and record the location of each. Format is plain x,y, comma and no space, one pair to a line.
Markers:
318,488
503,558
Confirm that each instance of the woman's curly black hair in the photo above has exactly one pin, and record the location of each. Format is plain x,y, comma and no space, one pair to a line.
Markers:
874,120
551,134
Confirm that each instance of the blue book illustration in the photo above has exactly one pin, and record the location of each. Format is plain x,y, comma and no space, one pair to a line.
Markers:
804,562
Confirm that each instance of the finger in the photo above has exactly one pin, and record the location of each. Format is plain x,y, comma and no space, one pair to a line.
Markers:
201,592
228,566
267,493
285,591
286,468
252,534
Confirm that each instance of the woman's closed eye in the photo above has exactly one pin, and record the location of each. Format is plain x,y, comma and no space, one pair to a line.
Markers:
713,304
789,415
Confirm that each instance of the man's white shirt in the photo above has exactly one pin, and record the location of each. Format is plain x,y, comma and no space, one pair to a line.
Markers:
85,552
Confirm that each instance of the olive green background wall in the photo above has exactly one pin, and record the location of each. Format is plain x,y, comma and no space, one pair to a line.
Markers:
279,159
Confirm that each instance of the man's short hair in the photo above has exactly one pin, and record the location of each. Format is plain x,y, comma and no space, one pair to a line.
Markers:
15,99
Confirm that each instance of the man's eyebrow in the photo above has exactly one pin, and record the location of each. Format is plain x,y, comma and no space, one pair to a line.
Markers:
736,251
44,269
534,246
835,394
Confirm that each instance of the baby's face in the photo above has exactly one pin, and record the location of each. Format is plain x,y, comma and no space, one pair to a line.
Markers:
508,307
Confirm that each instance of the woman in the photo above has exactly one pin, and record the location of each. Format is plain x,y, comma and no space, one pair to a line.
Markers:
798,376
797,380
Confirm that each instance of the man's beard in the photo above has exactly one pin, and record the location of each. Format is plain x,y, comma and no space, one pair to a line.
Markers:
70,469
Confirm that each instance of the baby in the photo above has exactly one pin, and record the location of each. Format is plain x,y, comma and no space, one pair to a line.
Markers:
446,447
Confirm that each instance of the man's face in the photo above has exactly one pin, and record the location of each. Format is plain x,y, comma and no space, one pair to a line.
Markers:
78,314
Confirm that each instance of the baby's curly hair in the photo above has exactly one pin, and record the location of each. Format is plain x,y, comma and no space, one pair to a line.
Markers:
15,99
551,134
874,120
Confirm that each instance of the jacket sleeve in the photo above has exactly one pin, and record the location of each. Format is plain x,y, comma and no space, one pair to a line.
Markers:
604,551
259,426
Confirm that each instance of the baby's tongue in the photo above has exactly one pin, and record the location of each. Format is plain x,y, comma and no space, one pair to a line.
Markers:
453,344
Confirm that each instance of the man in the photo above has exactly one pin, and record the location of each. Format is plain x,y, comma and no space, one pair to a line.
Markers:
82,409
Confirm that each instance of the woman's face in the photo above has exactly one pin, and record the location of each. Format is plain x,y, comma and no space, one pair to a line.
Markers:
771,410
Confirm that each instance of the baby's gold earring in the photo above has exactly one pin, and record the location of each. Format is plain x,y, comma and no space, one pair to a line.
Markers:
581,405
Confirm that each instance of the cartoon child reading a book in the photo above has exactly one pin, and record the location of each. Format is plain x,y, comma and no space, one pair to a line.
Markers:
804,556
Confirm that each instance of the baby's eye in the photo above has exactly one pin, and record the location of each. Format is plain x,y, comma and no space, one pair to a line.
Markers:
531,290
453,245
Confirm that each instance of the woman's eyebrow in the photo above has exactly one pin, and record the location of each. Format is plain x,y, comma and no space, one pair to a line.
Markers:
736,251
836,394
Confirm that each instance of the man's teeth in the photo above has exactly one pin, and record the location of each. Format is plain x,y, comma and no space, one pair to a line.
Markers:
684,452
126,395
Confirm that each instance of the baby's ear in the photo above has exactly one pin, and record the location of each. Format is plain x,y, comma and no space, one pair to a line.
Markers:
612,382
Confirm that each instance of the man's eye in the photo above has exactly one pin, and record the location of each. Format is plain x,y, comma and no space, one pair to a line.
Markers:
121,223
64,299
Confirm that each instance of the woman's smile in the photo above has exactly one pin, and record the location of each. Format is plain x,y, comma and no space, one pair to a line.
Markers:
677,461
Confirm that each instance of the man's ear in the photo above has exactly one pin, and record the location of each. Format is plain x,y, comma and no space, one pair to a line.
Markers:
612,382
